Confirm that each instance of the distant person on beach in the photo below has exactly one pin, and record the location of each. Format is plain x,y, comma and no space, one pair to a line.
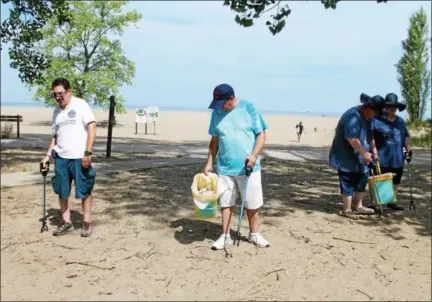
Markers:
237,132
74,133
353,150
299,130
391,136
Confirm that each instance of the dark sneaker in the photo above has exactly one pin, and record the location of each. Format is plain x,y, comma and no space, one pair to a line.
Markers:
63,228
87,229
395,206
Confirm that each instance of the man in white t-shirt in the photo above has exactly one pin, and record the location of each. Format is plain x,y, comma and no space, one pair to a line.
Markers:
74,133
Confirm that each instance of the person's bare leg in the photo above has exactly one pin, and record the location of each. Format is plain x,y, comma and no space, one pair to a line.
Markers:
346,203
87,216
65,211
253,219
87,208
226,219
358,197
396,187
65,226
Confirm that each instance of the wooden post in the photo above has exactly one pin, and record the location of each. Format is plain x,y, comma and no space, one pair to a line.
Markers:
110,124
136,128
154,127
146,128
18,122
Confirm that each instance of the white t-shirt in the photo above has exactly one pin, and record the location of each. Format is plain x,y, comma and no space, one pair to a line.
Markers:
70,127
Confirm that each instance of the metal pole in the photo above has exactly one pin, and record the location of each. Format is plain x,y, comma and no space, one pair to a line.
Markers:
110,125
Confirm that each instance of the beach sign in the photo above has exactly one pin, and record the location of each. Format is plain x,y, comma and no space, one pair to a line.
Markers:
146,115
153,114
140,115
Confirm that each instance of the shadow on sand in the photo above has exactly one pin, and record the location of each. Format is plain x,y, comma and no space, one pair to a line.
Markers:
161,194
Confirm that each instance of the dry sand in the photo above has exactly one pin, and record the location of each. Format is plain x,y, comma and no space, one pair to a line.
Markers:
147,246
185,126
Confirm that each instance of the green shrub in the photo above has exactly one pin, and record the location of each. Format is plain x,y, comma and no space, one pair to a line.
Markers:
6,130
424,140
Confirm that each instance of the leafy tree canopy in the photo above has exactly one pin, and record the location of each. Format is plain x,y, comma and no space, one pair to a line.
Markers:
22,29
83,51
253,9
414,74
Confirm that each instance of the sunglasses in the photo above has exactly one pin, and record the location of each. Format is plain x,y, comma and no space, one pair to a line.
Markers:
57,94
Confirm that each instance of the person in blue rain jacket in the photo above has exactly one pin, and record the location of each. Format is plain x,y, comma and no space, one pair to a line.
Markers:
391,136
353,151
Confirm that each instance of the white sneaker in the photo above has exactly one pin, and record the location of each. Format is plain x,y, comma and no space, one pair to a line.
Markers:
221,242
258,240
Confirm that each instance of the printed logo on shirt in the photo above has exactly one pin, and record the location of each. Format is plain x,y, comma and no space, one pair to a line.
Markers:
66,122
71,113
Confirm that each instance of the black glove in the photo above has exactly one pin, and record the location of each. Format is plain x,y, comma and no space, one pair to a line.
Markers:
408,156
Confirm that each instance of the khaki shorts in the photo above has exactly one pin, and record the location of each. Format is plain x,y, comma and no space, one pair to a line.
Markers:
234,184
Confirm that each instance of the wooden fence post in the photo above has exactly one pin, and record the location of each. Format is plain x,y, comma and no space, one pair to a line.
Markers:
18,125
111,118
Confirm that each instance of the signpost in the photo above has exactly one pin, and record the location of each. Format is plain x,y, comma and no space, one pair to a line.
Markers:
145,115
140,117
111,120
153,116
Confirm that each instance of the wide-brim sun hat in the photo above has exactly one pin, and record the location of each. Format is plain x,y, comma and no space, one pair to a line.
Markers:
391,100
376,102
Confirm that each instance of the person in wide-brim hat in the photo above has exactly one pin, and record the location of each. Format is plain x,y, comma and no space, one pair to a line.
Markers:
391,101
353,150
391,135
376,103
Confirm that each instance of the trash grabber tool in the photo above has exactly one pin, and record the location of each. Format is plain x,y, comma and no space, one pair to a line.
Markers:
248,173
408,157
377,166
44,172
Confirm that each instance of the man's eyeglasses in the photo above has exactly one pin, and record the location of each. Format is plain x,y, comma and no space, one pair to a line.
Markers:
57,94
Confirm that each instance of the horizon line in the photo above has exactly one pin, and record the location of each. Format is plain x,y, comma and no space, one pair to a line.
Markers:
174,108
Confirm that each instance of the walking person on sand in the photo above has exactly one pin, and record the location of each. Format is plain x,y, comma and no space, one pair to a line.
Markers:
238,134
391,135
353,150
299,130
74,133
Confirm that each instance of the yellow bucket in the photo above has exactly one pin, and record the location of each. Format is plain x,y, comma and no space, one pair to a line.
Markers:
381,187
206,190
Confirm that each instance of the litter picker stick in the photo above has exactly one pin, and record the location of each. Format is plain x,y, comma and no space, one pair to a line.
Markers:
377,166
248,173
408,157
44,172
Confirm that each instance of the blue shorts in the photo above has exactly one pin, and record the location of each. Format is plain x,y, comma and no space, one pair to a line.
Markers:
68,169
351,182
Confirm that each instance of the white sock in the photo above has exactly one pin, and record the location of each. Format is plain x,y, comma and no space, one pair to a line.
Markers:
227,235
254,233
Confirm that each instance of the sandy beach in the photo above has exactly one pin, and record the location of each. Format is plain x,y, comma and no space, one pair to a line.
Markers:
147,244
185,126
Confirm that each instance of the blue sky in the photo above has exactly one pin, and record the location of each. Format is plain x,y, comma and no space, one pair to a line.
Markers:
321,61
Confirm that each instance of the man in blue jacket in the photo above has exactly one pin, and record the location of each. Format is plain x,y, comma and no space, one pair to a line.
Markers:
353,151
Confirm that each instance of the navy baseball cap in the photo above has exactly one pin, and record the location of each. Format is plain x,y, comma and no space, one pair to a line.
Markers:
221,93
